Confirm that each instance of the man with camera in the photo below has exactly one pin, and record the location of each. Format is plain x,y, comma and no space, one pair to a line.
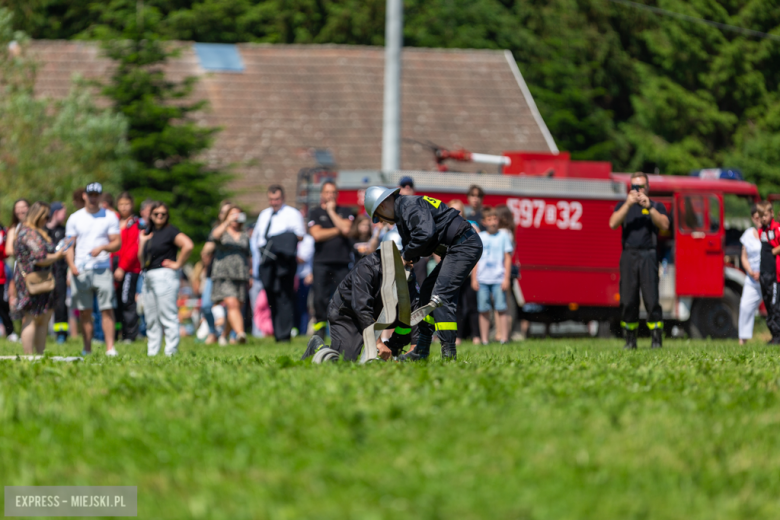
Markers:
329,225
641,219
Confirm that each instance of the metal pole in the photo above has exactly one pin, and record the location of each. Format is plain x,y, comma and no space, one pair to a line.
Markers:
391,125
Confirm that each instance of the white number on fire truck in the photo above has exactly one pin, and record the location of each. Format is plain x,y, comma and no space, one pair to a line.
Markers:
530,213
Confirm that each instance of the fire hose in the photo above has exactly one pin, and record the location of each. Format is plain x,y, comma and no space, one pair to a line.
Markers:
395,295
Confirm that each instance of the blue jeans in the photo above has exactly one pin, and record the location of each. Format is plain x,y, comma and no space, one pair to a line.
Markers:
206,304
486,290
97,320
301,308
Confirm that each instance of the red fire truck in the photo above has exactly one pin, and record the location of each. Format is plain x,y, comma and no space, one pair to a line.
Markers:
567,255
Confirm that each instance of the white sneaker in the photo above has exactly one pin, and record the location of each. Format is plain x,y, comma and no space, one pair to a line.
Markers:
223,342
13,337
112,352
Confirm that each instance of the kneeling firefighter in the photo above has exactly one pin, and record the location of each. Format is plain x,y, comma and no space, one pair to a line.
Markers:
428,226
356,305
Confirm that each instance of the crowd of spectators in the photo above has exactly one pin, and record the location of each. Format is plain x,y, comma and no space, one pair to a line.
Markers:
119,276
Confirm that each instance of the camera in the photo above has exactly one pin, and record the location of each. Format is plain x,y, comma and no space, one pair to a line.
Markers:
241,218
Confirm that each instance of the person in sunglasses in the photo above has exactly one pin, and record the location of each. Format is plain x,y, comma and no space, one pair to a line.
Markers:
162,250
641,219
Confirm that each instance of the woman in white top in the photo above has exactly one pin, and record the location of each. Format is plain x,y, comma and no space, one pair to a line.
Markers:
751,292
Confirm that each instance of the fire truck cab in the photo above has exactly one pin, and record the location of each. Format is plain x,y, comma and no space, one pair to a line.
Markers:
568,257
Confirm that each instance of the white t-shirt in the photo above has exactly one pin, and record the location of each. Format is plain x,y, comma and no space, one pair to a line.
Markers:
91,230
287,219
490,269
752,247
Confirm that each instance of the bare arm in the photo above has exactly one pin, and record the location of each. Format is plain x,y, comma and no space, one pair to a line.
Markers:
507,272
323,235
10,239
218,231
618,217
50,259
185,245
71,259
744,262
114,243
660,220
143,238
344,225
207,252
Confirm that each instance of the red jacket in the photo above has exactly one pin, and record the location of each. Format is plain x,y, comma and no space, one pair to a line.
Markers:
128,253
771,235
3,237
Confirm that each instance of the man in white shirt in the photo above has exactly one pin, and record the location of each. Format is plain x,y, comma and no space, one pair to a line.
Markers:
276,227
96,235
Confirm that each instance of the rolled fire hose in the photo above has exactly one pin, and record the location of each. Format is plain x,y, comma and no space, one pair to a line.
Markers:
395,293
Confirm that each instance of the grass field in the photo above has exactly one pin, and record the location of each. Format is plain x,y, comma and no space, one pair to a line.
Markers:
555,429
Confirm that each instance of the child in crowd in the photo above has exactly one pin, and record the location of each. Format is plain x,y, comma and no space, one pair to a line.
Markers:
491,277
768,277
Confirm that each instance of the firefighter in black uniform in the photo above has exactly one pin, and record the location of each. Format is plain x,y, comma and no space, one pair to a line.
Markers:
641,219
428,226
355,305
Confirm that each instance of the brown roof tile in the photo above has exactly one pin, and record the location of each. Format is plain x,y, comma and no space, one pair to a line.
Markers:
294,97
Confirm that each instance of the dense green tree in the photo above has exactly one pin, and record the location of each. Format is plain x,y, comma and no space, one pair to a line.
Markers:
613,82
165,141
41,139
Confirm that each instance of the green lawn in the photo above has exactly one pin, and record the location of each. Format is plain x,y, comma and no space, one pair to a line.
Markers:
552,429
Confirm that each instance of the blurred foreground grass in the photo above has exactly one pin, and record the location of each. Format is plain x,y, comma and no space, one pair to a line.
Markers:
553,429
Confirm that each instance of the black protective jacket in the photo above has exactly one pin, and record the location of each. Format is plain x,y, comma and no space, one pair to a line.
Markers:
424,224
360,291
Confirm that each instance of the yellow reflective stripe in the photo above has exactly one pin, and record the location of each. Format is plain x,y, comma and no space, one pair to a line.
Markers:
629,326
433,202
320,324
61,327
447,325
655,325
429,319
402,331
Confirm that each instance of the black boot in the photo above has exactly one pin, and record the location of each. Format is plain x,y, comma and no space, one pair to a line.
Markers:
630,340
420,352
315,343
449,352
657,336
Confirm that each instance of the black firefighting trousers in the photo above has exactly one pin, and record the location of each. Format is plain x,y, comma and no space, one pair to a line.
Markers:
445,282
346,336
769,293
60,307
639,270
326,279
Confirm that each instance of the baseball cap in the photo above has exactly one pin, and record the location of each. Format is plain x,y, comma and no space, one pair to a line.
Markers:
406,181
56,206
94,187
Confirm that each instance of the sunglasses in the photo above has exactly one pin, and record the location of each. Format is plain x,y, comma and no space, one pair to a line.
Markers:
158,214
637,187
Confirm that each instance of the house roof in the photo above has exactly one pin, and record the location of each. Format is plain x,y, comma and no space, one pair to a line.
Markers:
292,98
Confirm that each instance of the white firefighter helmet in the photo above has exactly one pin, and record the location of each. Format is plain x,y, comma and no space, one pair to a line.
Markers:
395,236
374,196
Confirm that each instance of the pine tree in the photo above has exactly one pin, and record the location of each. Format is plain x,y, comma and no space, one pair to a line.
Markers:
165,141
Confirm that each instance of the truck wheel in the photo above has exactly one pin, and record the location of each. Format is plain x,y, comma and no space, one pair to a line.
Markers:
716,318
